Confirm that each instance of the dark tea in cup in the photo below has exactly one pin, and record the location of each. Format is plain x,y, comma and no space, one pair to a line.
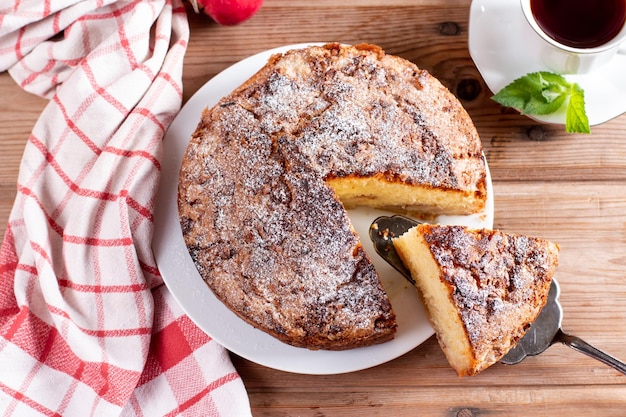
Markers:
580,23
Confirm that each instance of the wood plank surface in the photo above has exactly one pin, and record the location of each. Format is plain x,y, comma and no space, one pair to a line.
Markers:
568,188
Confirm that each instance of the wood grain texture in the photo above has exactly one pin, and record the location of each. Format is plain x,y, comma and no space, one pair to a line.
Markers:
568,188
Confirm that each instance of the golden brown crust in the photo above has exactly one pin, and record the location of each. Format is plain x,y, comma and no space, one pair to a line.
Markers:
265,230
497,282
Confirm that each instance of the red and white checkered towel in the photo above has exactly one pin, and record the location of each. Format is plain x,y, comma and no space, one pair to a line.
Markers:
87,327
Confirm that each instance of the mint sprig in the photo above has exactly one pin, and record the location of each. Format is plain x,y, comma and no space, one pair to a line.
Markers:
544,93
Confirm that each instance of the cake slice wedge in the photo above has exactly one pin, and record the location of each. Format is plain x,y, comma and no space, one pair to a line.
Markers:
482,288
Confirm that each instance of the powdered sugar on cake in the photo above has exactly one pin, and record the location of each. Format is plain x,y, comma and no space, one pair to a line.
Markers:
494,277
267,233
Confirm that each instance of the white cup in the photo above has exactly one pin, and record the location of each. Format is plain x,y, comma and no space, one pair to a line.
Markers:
565,59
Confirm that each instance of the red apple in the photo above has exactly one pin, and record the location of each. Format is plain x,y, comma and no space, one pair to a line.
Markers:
228,12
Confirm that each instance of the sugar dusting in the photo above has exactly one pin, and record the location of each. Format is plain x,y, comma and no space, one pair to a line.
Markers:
266,232
498,280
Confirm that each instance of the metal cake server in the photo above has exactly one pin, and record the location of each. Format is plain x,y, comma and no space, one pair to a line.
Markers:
543,333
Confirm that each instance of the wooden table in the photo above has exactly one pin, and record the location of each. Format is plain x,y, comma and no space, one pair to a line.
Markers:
568,188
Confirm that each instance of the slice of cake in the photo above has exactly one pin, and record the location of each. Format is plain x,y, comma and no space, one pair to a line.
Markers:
482,288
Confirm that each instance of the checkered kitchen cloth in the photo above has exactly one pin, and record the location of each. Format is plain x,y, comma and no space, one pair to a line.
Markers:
87,327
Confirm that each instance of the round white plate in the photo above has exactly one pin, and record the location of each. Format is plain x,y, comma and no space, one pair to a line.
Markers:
504,48
197,300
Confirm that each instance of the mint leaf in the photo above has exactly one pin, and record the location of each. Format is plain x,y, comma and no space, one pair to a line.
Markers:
535,93
576,120
545,92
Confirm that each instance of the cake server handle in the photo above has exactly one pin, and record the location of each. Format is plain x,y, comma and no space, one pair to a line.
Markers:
581,346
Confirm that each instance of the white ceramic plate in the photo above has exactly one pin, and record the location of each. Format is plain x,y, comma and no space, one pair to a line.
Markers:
502,45
183,280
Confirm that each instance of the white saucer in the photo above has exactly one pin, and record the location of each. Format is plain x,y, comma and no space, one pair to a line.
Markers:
502,45
213,317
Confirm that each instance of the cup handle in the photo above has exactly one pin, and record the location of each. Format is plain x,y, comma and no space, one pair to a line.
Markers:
622,49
